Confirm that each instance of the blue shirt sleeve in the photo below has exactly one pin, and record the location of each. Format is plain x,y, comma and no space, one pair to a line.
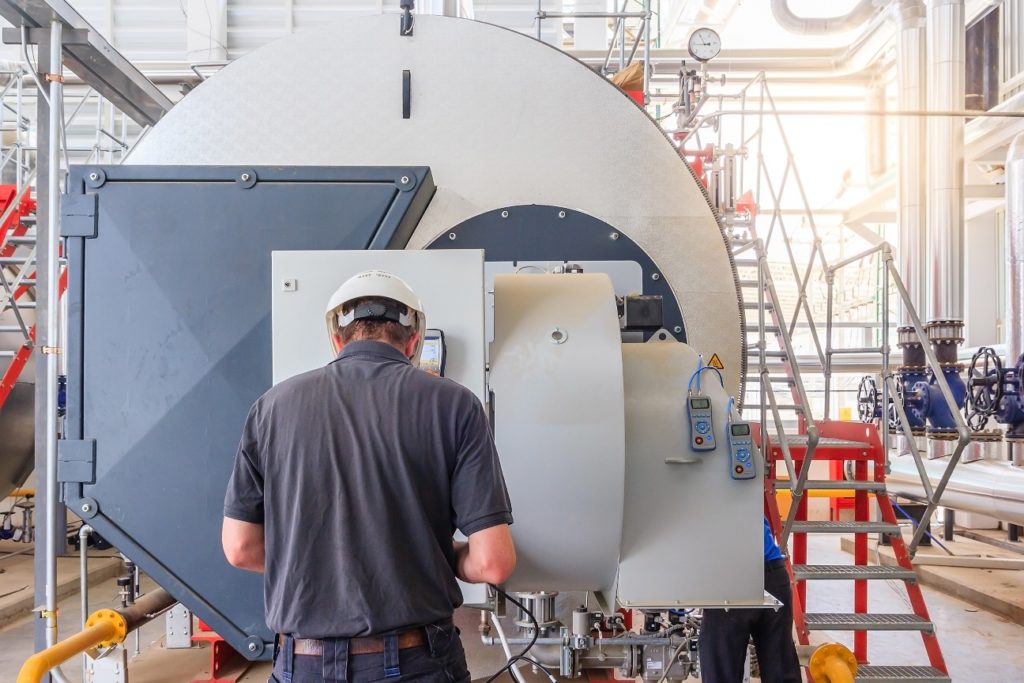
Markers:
771,548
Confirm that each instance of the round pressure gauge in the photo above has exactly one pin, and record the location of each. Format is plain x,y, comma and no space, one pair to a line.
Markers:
704,44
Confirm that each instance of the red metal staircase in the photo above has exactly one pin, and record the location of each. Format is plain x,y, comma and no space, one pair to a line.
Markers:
858,443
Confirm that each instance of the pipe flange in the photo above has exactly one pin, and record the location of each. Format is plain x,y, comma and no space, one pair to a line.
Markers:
912,368
1013,439
831,662
943,434
958,366
114,618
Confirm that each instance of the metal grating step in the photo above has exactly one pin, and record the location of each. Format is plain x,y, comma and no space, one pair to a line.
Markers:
845,527
799,440
843,572
891,674
831,484
848,621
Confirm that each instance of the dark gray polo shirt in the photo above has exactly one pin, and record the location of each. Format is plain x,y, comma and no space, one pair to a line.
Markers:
360,473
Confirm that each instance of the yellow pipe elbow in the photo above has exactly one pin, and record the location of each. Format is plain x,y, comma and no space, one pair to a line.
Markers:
104,628
831,663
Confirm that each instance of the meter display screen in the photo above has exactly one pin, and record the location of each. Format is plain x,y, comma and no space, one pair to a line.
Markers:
740,429
700,403
432,355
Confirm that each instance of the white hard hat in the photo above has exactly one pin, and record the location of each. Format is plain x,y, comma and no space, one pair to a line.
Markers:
378,284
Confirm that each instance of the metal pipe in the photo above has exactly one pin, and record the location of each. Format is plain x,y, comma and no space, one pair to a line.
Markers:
986,487
821,25
105,627
589,15
910,78
946,163
1013,317
83,586
33,670
48,286
648,13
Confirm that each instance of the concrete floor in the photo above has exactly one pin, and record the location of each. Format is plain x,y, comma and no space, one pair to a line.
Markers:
979,647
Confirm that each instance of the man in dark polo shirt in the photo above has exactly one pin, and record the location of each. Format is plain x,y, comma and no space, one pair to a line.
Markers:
348,485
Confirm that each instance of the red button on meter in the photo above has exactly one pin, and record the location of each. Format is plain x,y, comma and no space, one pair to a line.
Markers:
699,440
739,469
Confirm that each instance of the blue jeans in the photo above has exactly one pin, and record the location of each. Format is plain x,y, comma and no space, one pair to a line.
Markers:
441,660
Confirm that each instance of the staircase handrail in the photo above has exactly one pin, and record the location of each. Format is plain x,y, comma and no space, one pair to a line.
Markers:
933,494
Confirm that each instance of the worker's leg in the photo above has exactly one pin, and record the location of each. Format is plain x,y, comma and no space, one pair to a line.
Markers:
773,630
723,644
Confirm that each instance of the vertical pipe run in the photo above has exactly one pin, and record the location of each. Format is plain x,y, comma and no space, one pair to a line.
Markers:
647,51
910,78
83,586
47,287
1013,317
946,164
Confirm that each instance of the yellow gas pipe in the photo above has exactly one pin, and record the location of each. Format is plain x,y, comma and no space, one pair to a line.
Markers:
104,628
830,663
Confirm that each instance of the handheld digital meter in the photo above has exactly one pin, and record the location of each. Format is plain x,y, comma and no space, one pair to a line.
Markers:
432,358
741,451
702,426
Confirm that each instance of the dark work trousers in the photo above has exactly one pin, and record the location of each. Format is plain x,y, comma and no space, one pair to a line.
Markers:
442,660
724,636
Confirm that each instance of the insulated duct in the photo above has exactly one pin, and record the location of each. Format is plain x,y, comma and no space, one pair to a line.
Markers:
946,161
908,15
821,25
1013,319
993,488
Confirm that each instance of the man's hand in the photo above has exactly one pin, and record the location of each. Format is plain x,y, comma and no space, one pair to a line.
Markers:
243,544
487,557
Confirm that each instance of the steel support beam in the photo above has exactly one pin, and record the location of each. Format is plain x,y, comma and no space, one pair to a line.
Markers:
95,61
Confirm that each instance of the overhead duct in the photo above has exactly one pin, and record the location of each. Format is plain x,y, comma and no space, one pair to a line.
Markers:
821,25
946,159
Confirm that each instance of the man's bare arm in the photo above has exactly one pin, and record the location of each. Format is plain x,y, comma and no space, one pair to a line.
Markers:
488,556
243,544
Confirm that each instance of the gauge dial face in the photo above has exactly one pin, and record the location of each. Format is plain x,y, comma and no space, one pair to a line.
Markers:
705,44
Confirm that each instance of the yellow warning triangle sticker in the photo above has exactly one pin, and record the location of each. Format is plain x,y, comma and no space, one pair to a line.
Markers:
716,362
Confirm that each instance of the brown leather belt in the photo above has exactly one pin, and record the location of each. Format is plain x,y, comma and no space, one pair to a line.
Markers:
368,645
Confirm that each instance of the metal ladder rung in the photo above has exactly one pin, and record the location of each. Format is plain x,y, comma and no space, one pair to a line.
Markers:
851,621
750,283
22,240
752,306
893,674
831,484
787,406
845,527
774,379
753,352
769,329
745,262
825,572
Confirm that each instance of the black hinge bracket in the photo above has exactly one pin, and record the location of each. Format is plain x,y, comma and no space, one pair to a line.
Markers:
79,215
76,461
